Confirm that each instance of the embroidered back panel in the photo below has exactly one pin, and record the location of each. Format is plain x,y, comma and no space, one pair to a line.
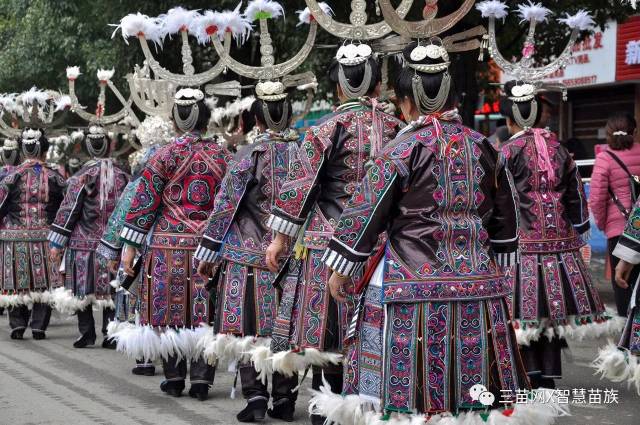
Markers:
179,185
346,167
29,197
544,226
247,240
461,267
94,217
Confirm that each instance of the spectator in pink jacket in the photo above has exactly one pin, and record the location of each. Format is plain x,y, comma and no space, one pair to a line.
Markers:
610,181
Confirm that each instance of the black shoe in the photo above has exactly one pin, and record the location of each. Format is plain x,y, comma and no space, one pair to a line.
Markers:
85,340
38,335
17,333
172,388
199,391
109,343
282,409
254,412
317,420
144,370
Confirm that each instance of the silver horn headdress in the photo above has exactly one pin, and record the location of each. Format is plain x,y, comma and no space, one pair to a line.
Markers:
357,29
535,14
33,109
104,80
528,76
153,86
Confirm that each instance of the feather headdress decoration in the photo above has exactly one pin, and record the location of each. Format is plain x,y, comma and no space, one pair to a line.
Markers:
219,23
493,9
581,20
63,102
105,74
177,19
33,96
135,24
73,72
263,9
8,103
533,12
305,16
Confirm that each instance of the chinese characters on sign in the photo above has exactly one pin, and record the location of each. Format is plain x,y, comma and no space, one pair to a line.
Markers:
633,53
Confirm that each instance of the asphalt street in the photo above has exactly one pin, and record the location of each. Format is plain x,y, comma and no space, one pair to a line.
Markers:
50,382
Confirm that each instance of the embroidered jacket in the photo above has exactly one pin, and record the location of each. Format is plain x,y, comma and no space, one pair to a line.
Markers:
448,207
176,192
553,214
238,223
5,170
110,245
330,162
29,198
91,196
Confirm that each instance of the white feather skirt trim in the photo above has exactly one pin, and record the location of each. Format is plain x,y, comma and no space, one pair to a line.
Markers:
618,365
27,298
65,302
147,342
354,410
230,348
612,327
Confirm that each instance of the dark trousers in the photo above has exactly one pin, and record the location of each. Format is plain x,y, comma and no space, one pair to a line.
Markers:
622,296
253,388
200,371
333,374
86,323
40,315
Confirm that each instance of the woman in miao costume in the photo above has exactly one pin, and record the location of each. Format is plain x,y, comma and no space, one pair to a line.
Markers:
234,243
444,198
173,200
29,197
89,200
554,296
9,159
310,326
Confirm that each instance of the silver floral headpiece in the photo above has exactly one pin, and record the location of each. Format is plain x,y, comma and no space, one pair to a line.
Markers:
188,96
353,54
270,91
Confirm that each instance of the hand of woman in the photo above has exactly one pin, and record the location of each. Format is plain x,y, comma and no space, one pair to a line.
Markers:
112,265
55,255
205,269
128,257
274,252
337,285
623,270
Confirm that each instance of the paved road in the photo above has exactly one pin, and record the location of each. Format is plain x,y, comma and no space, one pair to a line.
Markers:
49,382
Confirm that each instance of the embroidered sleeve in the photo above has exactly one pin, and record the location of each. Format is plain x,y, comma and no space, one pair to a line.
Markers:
299,192
57,186
228,199
110,244
503,224
575,200
364,218
145,203
628,247
69,212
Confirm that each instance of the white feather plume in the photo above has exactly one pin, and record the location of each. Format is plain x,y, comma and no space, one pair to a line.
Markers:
493,9
65,302
73,72
612,364
338,409
154,131
136,23
9,104
304,16
219,23
77,136
33,96
269,9
176,19
63,102
533,12
289,363
105,74
582,20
